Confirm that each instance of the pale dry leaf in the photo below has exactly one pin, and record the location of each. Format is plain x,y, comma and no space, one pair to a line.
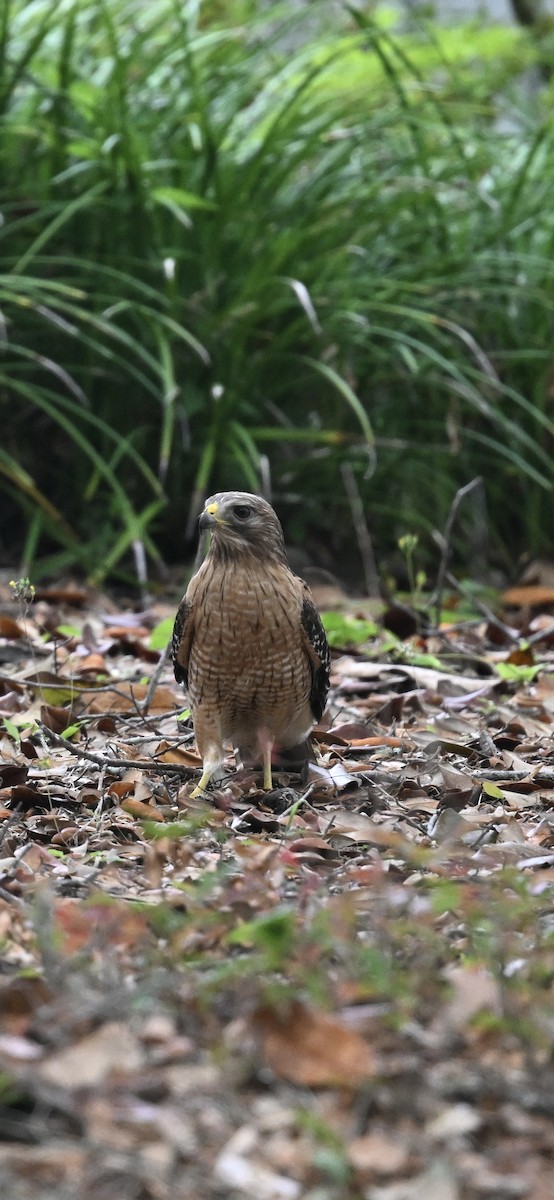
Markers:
438,1182
377,1154
237,1168
474,990
364,829
447,826
46,1167
511,831
20,1049
543,693
455,780
520,800
540,860
110,1050
514,762
456,1120
424,677
338,776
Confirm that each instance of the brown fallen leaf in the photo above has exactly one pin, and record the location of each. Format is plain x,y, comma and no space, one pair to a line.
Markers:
126,696
20,1001
167,753
70,594
311,847
71,835
56,718
521,657
122,631
96,923
26,796
533,594
120,788
312,1048
10,629
90,797
95,663
381,740
144,812
12,773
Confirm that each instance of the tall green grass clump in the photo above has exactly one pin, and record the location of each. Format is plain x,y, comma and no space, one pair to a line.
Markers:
233,246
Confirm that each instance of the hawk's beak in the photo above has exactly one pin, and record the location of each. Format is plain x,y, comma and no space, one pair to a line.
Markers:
209,517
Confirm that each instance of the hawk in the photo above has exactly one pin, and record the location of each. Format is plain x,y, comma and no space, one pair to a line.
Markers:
248,642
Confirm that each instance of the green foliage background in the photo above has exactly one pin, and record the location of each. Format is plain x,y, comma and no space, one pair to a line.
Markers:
237,243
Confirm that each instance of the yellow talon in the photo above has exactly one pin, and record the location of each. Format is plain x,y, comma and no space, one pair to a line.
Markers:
201,785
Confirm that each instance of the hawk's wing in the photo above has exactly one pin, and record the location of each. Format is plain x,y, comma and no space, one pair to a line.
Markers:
181,642
317,650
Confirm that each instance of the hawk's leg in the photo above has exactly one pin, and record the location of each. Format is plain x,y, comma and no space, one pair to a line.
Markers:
210,748
268,778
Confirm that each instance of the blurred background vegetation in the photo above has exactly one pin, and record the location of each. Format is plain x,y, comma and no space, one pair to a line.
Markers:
246,244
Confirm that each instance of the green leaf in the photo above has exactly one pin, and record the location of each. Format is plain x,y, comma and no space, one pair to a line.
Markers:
512,673
161,634
11,729
273,933
70,731
491,789
181,198
343,630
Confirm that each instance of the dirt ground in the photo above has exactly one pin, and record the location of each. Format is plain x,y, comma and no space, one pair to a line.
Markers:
340,990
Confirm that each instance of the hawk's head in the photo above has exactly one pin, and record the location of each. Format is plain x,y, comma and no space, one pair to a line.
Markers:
241,522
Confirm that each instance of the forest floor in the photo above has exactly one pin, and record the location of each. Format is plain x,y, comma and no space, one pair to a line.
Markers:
340,990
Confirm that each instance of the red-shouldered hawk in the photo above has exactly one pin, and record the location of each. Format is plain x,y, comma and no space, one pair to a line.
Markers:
248,641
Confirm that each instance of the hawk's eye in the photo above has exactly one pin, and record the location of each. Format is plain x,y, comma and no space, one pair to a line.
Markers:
242,511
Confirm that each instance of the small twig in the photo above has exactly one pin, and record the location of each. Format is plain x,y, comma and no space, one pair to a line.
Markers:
365,544
264,467
541,633
139,555
79,685
543,775
107,763
446,540
9,822
512,635
9,896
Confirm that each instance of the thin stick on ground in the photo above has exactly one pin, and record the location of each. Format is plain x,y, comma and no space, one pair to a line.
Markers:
446,542
363,536
497,775
511,635
107,762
